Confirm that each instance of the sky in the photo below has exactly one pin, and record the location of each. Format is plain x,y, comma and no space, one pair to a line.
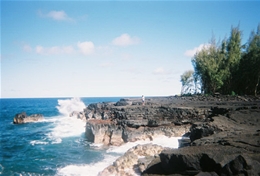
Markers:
110,48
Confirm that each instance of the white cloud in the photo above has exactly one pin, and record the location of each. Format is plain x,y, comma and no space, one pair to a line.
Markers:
161,71
192,52
86,48
56,15
125,40
54,50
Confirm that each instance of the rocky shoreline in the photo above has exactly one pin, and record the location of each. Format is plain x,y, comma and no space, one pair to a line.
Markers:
129,121
223,134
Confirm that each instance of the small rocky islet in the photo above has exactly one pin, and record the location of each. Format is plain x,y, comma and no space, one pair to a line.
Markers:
24,118
222,134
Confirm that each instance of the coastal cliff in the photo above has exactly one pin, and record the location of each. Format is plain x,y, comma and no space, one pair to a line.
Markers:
223,134
129,121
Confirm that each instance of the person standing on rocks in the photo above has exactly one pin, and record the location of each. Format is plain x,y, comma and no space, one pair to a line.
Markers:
143,100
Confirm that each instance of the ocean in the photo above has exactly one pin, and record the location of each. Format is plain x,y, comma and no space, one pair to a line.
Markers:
56,145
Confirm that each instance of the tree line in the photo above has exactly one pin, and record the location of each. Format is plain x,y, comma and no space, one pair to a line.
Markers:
226,67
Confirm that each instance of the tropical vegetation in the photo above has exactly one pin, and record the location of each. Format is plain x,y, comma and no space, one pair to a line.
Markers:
226,67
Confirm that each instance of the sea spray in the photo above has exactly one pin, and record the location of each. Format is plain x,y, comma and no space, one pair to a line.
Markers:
56,145
112,153
62,125
45,147
68,126
67,106
87,169
170,142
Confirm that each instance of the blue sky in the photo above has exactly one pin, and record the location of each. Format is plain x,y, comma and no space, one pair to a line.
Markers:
110,48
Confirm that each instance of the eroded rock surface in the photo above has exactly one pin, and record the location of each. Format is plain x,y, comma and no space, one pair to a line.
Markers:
130,163
224,133
23,118
226,143
218,159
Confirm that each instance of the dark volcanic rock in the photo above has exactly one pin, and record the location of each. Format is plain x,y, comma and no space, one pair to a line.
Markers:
124,102
222,160
103,131
223,134
226,143
79,115
99,111
136,122
200,129
205,115
23,118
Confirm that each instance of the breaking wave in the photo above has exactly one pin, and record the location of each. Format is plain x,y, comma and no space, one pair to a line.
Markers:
112,153
67,106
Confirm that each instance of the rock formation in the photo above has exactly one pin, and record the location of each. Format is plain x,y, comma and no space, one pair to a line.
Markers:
213,159
23,118
226,143
128,121
223,131
79,115
133,161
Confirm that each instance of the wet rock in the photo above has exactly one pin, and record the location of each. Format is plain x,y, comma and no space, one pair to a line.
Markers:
184,142
23,118
100,111
103,132
132,161
79,115
223,134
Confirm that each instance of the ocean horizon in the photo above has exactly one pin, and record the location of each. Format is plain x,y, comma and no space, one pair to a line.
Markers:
56,145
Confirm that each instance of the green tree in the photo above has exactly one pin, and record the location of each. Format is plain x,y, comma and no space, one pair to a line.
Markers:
208,66
227,67
232,60
187,81
249,67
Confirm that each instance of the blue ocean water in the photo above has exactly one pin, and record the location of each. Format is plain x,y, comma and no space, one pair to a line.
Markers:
56,145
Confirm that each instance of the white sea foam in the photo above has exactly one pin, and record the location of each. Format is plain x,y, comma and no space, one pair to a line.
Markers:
164,141
88,169
69,126
1,168
112,154
65,126
97,146
67,106
38,142
62,127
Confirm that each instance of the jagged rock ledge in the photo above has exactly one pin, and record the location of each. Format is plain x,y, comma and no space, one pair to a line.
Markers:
134,161
24,118
224,132
129,121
